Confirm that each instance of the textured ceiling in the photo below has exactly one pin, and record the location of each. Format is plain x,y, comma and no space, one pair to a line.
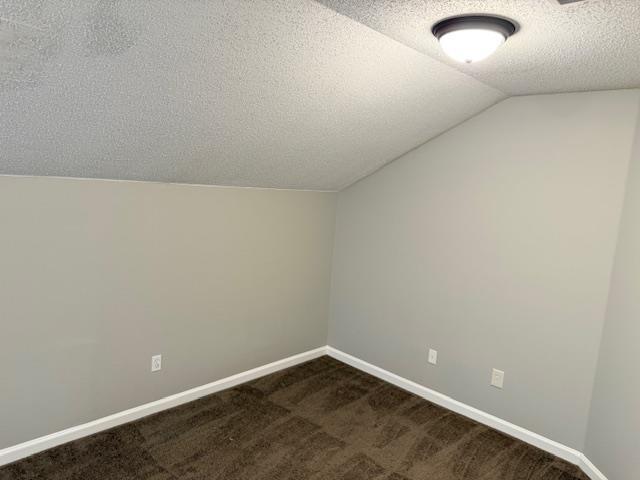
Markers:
588,45
272,93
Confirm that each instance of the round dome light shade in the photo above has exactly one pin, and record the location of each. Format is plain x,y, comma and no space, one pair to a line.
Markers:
472,38
468,46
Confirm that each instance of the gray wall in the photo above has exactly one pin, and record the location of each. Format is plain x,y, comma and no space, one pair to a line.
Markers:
613,437
493,244
96,276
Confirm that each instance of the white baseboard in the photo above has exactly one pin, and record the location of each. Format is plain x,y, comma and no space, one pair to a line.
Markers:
22,450
590,469
559,450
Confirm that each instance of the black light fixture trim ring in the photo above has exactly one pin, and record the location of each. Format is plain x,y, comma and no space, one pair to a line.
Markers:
466,22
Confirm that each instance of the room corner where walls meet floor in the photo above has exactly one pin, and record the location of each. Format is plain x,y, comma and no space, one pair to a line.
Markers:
18,452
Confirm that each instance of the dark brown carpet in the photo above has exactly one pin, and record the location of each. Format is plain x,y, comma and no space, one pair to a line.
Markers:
322,420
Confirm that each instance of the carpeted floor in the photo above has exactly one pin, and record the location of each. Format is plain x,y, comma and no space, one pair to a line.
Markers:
322,420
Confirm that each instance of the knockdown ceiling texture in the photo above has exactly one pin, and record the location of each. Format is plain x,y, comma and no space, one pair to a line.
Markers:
272,93
587,45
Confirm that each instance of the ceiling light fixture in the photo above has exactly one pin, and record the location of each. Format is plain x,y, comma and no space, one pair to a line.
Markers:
472,38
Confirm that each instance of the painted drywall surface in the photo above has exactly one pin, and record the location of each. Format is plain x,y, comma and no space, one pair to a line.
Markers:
493,244
98,276
614,423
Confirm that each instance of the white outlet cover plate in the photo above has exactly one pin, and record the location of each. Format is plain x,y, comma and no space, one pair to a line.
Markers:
156,363
497,378
433,356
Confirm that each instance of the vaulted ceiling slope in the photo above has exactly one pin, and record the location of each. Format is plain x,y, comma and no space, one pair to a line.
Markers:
269,93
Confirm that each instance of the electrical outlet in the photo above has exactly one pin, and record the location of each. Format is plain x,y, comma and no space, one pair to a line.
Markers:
497,378
433,356
156,363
